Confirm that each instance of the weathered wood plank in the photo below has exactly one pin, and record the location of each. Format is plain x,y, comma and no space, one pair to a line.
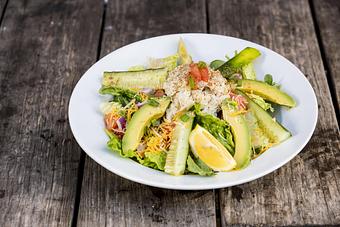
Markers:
327,17
2,6
44,48
113,201
305,191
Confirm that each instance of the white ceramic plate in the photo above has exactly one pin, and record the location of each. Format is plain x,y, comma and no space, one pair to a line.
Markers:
88,128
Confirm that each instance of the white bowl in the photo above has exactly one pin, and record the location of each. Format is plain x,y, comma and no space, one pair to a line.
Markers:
87,124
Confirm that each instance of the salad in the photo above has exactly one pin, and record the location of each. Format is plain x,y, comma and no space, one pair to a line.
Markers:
184,117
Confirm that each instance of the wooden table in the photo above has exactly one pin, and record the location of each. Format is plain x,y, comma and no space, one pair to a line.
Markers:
45,178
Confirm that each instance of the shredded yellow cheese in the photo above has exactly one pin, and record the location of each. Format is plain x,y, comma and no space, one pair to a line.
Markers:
158,138
131,109
143,96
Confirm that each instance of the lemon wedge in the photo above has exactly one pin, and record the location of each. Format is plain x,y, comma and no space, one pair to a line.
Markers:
210,150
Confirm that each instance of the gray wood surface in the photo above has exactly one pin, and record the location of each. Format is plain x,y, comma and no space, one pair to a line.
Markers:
2,7
44,49
327,14
46,45
109,200
306,190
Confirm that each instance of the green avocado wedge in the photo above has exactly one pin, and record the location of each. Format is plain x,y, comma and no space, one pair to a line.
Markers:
140,120
179,147
267,92
274,130
241,133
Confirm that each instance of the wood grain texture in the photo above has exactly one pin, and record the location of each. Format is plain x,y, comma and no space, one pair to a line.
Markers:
109,200
327,16
43,51
2,6
306,190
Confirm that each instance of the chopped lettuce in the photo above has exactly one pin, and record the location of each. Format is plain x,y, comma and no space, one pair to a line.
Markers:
154,160
109,107
120,95
196,166
261,102
169,62
217,127
114,144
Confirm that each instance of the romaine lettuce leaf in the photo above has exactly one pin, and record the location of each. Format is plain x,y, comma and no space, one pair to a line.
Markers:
114,144
195,165
154,160
217,127
112,107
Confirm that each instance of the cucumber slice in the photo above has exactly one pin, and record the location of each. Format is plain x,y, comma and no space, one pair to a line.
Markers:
179,147
150,78
273,129
233,65
258,137
267,92
169,62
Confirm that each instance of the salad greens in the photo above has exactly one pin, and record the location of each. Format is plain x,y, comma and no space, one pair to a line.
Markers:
120,95
217,127
194,139
196,166
152,159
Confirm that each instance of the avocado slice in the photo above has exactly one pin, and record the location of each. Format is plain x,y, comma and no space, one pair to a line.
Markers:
241,133
274,130
179,147
184,57
267,92
140,120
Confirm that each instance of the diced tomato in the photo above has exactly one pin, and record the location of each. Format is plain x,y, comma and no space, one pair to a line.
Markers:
195,72
204,74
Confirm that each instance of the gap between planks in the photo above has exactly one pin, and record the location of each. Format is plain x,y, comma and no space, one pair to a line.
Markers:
81,167
329,77
2,15
216,191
